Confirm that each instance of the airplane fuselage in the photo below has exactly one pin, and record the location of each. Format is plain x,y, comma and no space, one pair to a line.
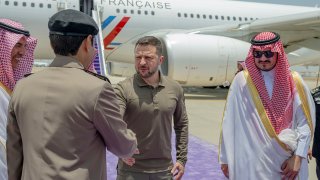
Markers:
129,18
194,58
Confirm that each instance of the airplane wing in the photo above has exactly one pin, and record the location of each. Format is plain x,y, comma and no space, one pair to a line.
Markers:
296,30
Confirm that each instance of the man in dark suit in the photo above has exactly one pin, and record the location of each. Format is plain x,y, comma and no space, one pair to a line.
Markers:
316,140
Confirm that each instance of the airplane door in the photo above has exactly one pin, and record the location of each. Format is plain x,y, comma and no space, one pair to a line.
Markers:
225,51
230,52
86,6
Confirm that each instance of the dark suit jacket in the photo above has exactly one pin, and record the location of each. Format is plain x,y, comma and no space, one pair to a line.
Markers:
316,139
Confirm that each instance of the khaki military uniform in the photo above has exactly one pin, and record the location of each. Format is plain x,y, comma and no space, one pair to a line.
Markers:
61,120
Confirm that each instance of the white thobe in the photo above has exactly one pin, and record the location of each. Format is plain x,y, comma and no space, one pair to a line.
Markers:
247,147
268,77
4,103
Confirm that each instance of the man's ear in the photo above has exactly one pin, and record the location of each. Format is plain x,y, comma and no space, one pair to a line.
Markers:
161,59
88,42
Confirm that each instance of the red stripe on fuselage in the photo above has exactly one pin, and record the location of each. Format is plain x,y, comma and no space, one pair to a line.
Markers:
116,30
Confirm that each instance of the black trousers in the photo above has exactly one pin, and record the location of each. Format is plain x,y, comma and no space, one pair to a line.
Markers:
318,169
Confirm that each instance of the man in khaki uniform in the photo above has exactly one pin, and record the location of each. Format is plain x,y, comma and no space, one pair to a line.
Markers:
62,119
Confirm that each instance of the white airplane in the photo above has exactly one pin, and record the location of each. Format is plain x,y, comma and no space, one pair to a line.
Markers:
203,39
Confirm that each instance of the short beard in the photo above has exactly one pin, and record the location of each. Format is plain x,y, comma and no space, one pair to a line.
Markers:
266,69
149,74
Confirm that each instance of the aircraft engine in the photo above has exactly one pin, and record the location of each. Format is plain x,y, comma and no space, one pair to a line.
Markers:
202,60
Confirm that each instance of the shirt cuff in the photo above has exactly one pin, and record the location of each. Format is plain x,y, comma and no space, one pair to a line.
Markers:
183,163
302,149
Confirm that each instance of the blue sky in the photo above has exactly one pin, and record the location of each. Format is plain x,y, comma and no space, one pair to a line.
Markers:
291,2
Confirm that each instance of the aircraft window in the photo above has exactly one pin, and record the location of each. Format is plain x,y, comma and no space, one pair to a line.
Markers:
210,16
125,11
185,15
251,19
6,3
204,16
15,3
222,17
49,6
240,19
132,11
139,11
216,16
41,5
198,16
228,17
24,4
118,10
191,15
234,18
32,4
179,14
246,19
146,12
152,13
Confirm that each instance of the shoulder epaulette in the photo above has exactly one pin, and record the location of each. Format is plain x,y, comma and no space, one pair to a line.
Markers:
26,75
97,75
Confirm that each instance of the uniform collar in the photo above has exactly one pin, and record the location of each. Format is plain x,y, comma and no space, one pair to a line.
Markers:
142,83
66,61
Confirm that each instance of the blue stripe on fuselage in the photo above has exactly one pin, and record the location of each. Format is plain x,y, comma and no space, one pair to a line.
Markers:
107,21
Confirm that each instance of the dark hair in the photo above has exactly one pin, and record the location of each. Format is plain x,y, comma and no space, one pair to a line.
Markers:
150,40
65,45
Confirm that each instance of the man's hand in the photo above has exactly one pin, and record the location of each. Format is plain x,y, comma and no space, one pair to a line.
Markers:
130,161
309,154
290,167
177,171
225,170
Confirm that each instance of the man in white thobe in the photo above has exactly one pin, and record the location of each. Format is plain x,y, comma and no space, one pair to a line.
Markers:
16,60
269,117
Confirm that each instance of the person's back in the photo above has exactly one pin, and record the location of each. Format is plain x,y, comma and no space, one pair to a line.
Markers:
59,128
62,119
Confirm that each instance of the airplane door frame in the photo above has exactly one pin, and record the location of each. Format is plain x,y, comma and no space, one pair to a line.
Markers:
86,6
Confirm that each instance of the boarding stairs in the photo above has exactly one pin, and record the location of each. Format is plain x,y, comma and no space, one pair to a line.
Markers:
94,9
